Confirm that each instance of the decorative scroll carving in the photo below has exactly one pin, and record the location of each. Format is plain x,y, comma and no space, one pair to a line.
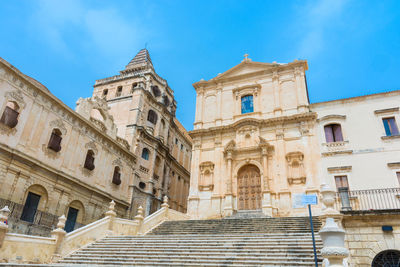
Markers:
295,167
59,124
91,145
206,182
15,96
117,162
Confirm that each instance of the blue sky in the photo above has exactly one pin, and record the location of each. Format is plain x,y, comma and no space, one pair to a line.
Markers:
352,47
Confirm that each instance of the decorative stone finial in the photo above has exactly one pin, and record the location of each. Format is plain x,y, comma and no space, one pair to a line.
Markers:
246,58
61,222
328,199
111,207
165,202
140,211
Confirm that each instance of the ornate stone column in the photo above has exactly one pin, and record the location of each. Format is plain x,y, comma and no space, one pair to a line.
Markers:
228,207
266,198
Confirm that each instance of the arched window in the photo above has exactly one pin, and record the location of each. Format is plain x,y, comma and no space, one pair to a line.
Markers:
333,133
166,100
247,104
145,154
134,85
152,116
119,91
10,114
89,161
156,91
117,176
55,140
389,258
105,92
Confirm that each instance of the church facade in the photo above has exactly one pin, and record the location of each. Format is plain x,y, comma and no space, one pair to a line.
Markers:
258,144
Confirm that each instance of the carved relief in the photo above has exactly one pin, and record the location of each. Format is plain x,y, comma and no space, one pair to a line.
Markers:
59,124
15,96
91,145
206,182
295,167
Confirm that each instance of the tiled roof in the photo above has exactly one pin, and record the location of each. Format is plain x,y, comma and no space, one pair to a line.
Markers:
141,58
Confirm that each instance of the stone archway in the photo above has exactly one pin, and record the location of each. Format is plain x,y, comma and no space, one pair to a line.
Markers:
249,188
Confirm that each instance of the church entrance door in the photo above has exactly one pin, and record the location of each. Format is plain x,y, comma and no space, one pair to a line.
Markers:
249,188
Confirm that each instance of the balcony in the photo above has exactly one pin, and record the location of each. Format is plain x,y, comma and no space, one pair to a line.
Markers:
368,201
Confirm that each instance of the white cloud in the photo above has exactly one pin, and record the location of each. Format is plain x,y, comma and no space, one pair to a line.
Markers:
59,23
316,16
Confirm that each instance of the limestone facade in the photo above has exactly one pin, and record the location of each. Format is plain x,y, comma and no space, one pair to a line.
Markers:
55,161
273,143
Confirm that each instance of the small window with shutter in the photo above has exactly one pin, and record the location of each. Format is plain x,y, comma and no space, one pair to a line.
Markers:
89,161
341,182
390,126
55,140
333,133
10,114
117,176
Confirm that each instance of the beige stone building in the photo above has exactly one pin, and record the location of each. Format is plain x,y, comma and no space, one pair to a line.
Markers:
55,161
254,141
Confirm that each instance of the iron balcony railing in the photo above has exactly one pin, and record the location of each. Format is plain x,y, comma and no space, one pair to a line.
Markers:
371,200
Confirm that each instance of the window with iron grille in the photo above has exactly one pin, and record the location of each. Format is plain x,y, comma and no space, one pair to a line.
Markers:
89,161
55,140
10,115
117,176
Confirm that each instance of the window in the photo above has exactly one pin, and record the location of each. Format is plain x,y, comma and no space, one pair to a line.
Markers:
89,161
71,219
55,140
341,182
116,176
152,116
105,92
333,133
247,104
156,91
166,101
10,114
145,154
181,147
176,141
119,91
142,185
390,126
30,207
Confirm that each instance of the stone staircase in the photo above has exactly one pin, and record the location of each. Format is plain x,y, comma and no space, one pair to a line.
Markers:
226,242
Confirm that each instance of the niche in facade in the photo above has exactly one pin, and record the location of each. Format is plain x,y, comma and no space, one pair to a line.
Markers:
295,168
206,182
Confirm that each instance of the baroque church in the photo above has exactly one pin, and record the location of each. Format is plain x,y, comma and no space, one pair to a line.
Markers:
228,193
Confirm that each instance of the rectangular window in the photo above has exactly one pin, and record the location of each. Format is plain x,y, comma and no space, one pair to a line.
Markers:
247,104
71,219
30,207
176,140
341,182
390,126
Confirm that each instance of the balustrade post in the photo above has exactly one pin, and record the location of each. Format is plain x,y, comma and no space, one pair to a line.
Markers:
111,214
165,206
4,212
138,220
59,235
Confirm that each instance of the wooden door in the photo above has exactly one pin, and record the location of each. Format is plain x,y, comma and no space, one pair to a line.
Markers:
249,188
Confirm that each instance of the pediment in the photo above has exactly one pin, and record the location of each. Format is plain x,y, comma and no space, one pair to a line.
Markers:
244,68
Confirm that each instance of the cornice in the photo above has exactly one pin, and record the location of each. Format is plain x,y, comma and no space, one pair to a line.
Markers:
43,96
331,117
309,116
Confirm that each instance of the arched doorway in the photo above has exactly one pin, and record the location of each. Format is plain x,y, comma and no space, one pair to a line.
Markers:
249,188
387,258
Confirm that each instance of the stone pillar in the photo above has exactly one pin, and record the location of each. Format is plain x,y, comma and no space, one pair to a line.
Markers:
59,235
277,97
228,207
266,198
111,214
331,233
4,212
138,220
334,249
